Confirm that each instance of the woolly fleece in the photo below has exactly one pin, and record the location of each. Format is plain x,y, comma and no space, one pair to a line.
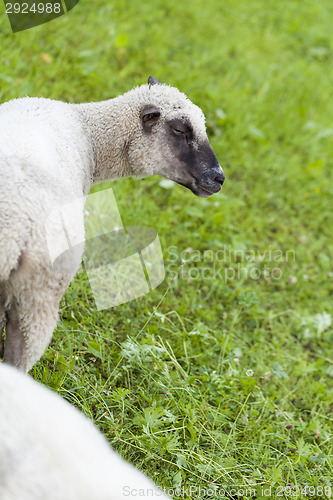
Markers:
50,451
50,154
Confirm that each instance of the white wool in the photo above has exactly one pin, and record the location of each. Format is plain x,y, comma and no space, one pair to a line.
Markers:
50,154
50,451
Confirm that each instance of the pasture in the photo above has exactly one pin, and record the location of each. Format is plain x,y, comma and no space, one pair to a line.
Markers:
222,376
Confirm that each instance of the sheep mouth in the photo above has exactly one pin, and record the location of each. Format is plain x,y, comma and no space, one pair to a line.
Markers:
203,192
193,184
198,189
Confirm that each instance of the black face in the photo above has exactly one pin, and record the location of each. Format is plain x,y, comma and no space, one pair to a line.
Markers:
196,166
187,159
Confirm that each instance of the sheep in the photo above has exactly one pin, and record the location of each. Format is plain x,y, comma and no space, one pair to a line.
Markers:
49,450
51,153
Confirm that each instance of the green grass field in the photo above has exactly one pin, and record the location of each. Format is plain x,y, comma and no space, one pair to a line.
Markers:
223,376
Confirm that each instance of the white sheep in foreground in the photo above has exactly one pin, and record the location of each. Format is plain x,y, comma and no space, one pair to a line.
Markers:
50,451
50,154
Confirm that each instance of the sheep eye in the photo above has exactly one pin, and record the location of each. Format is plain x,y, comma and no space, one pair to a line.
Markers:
177,131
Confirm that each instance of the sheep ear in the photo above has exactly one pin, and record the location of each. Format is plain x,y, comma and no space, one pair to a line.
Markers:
154,81
149,116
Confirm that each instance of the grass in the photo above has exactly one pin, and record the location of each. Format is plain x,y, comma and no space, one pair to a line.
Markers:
223,375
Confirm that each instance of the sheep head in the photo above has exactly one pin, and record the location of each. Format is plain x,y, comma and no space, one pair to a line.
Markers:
173,131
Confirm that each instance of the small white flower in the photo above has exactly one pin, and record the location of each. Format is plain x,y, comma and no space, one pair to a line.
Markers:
322,322
249,373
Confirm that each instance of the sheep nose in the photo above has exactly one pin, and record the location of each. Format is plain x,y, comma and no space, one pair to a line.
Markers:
219,176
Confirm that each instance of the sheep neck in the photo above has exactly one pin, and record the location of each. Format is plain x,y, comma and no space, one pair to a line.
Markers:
109,125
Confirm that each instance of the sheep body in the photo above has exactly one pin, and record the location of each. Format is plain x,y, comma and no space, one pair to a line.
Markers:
50,154
49,450
43,165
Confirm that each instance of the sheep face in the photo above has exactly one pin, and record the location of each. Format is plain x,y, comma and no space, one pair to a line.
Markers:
182,152
190,160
